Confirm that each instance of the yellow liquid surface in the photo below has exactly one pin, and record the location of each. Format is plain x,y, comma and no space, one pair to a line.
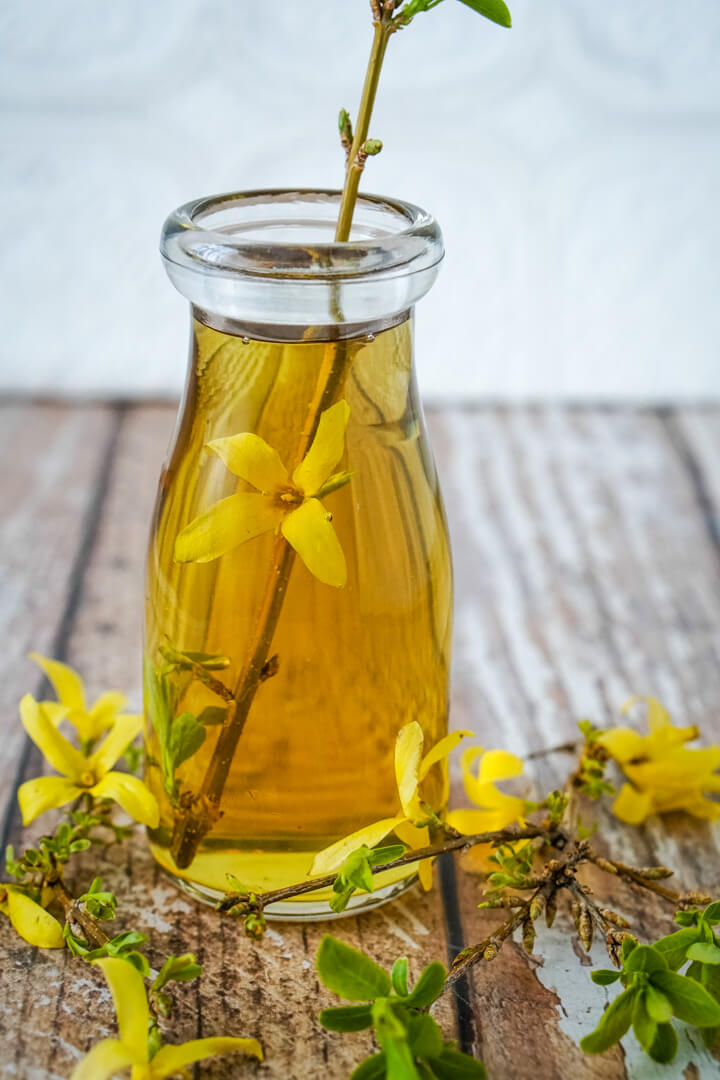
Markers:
315,758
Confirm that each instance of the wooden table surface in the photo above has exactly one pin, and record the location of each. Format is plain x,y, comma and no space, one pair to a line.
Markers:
587,557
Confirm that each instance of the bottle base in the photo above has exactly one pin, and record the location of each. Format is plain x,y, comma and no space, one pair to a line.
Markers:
302,910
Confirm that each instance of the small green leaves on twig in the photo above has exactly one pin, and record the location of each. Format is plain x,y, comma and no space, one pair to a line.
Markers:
411,1042
589,777
495,10
356,872
346,131
653,995
175,969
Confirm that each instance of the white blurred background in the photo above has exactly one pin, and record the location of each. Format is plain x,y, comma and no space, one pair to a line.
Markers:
572,161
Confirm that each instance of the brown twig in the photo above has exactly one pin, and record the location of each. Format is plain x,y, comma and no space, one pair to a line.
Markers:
457,842
77,915
647,879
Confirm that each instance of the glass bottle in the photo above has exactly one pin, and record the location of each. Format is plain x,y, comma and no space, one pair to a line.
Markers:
299,593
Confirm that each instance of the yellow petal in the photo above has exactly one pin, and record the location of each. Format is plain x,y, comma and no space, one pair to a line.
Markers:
61,754
45,793
441,750
309,531
632,806
408,751
54,711
425,873
249,457
327,448
623,743
226,524
32,922
104,1060
470,822
499,765
417,838
170,1059
330,858
684,769
130,792
102,714
658,716
66,682
126,728
127,987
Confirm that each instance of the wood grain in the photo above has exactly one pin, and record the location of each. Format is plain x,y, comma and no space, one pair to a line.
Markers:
589,575
587,570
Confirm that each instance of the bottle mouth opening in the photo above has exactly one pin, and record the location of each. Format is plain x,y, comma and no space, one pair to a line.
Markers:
289,233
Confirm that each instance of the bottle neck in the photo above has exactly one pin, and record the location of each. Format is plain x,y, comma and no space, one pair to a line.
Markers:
286,333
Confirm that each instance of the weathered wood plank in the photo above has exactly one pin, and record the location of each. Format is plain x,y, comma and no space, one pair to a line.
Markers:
269,990
587,574
49,460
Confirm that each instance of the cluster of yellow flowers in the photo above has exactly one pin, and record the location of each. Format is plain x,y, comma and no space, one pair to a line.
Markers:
85,770
663,774
111,1056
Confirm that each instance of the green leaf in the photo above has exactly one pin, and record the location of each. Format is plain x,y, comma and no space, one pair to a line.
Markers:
452,1065
657,1005
212,716
347,1018
177,969
644,1027
674,947
425,1037
185,738
665,1044
690,1001
645,958
495,10
614,1023
399,976
711,914
687,918
372,1068
381,855
704,953
350,973
629,943
604,976
393,1038
429,986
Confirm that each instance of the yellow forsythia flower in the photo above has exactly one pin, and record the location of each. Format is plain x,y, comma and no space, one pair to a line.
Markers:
497,810
31,921
82,774
90,722
130,1051
292,504
664,775
411,768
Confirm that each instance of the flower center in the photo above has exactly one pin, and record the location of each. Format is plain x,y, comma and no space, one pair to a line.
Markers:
289,496
87,779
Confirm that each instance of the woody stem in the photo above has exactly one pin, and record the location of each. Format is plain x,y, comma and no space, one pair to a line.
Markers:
192,824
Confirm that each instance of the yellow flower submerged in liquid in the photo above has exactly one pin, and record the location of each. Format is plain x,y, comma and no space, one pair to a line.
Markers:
131,1051
279,501
80,774
664,775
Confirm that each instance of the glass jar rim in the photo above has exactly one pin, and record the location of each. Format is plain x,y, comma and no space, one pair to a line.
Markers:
238,234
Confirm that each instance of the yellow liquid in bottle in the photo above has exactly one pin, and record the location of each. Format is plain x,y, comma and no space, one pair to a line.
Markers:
314,761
